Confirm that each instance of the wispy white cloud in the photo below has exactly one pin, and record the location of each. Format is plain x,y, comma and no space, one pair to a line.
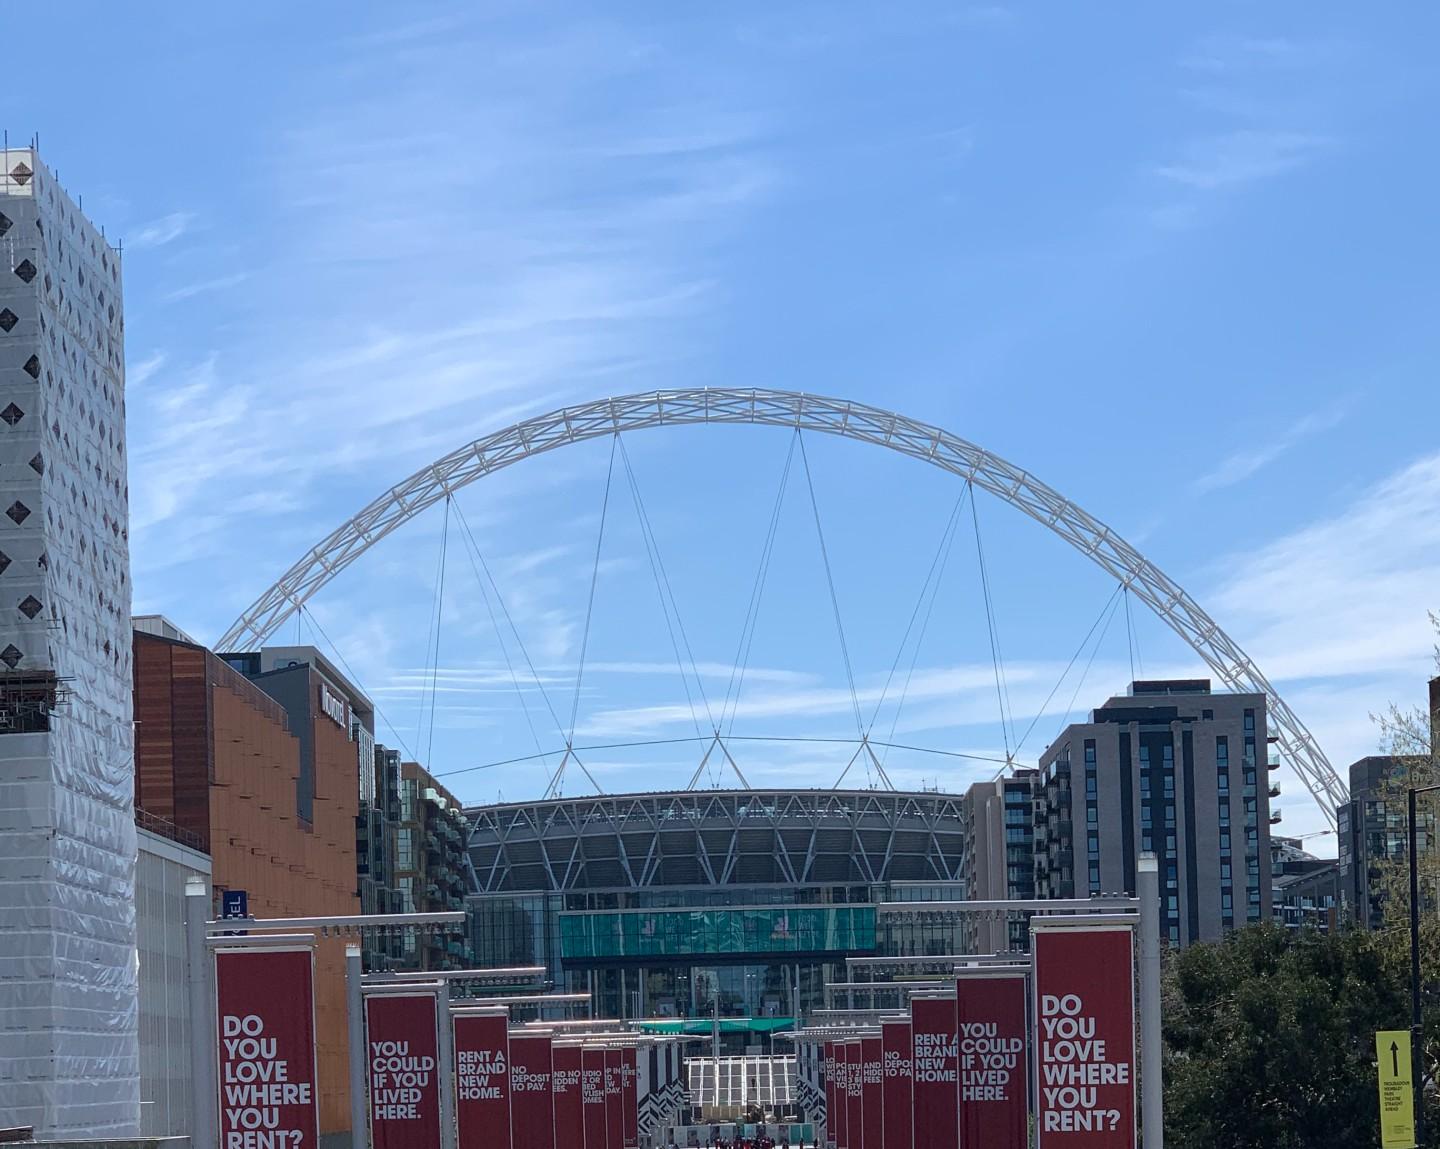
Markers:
532,250
159,232
982,16
206,286
1244,464
1230,55
138,373
1348,595
1234,159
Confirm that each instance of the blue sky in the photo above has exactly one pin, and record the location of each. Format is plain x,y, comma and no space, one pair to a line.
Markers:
1176,261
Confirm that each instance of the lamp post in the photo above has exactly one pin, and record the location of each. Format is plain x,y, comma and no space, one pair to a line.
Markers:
1416,1016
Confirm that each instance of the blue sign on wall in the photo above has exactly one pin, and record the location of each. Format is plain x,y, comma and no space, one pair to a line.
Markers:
234,904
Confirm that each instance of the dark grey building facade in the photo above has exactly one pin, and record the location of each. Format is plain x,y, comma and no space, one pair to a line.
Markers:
1372,833
1173,769
1306,888
998,861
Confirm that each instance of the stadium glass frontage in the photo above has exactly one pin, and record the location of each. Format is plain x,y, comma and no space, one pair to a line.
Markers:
741,904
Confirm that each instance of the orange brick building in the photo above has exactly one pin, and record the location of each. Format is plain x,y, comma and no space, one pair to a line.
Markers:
269,781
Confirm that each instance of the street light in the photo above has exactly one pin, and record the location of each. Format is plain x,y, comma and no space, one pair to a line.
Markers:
1416,1018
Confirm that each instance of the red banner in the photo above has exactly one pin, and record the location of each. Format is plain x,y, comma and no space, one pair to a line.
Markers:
592,1098
872,1088
994,1077
630,1096
1085,1037
833,1108
565,1080
932,1024
896,1052
532,1103
482,1080
266,1005
854,1095
402,1056
614,1098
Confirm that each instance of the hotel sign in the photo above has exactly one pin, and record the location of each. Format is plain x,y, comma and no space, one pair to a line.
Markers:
334,708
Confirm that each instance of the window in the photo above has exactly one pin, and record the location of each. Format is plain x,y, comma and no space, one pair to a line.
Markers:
1249,722
1227,902
1092,816
1168,755
1091,788
1174,935
1089,752
1223,783
1093,846
1173,903
1224,839
405,849
1170,843
1147,842
1144,786
1224,871
1222,753
1207,715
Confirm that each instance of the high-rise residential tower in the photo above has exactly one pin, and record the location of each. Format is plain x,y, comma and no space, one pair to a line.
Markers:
1169,769
999,859
68,1030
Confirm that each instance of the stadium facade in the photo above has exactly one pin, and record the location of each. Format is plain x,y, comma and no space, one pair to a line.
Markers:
693,904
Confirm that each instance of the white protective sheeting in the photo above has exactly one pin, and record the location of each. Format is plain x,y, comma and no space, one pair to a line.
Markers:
69,1061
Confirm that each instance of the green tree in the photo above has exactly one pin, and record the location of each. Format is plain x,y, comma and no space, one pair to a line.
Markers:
1270,1039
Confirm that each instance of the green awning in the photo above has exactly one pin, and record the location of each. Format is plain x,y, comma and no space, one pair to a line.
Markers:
727,1025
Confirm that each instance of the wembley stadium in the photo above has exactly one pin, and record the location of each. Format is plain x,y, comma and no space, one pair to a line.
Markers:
736,904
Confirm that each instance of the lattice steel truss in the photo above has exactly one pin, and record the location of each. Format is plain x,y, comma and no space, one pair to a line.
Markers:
866,424
716,838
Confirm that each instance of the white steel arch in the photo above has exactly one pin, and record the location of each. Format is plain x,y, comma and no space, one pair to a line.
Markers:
848,420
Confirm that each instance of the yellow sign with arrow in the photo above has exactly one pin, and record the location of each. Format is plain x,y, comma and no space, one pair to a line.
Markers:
1397,1089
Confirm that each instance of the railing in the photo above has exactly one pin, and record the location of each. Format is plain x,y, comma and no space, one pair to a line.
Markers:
158,825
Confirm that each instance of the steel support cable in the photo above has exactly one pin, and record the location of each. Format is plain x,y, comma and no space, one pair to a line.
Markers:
942,549
432,642
1099,642
693,739
925,625
1079,650
858,422
1129,632
757,592
479,556
472,550
1132,639
355,678
590,605
585,749
662,588
1002,689
834,599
